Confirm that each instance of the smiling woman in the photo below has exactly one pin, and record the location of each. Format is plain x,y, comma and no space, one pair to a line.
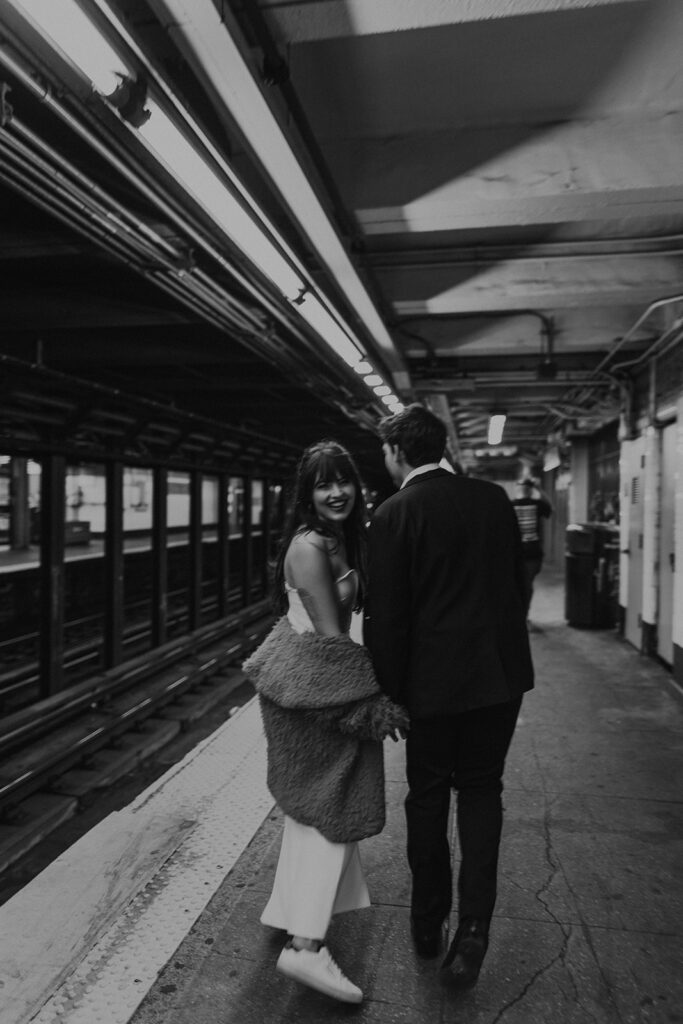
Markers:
324,718
333,499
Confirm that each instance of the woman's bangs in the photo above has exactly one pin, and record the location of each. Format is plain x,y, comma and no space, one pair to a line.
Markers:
333,466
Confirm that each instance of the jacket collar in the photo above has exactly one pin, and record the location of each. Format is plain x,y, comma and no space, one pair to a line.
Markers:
429,475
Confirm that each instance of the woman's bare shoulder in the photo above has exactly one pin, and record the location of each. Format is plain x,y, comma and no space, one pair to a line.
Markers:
304,540
306,550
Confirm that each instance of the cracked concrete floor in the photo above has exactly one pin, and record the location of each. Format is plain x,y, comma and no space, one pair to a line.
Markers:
588,926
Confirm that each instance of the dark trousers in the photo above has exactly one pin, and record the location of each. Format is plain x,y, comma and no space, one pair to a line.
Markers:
532,567
466,752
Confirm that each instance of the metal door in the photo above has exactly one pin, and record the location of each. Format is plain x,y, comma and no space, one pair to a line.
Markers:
665,646
635,483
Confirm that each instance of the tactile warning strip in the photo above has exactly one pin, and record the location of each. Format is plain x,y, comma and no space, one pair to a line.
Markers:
223,784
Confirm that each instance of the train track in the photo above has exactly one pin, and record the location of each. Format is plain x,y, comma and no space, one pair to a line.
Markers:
59,737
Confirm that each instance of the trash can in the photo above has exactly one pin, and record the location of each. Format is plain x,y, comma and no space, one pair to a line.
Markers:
591,575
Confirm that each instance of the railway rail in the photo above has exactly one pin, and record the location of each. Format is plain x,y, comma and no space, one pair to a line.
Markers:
41,743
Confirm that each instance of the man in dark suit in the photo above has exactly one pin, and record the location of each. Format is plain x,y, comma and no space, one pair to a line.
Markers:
446,628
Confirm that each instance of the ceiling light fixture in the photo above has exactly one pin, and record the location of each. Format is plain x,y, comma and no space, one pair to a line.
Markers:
323,322
77,37
170,146
183,152
203,34
496,426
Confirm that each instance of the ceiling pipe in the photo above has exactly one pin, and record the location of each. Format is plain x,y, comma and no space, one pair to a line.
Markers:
202,35
658,304
254,336
57,197
670,337
63,201
547,329
116,152
152,194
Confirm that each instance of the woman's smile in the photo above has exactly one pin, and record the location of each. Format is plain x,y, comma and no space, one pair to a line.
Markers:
334,499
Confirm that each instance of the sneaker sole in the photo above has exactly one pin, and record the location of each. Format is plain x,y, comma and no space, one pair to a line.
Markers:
334,993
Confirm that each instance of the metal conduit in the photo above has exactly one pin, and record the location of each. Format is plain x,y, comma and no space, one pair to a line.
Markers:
63,200
658,304
94,198
76,208
182,292
90,187
132,175
669,338
256,339
201,296
51,203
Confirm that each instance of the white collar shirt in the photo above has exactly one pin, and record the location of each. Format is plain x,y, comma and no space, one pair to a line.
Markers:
427,468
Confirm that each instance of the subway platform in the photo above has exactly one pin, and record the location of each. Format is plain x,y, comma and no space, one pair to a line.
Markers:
154,915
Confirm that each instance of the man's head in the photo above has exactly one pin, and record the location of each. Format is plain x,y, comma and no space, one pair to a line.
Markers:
410,439
526,488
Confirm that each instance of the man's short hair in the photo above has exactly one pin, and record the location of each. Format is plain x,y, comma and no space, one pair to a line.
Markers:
419,434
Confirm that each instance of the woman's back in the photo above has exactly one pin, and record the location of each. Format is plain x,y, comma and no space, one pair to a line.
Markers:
346,587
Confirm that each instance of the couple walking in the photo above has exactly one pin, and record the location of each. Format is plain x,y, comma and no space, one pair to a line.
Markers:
445,663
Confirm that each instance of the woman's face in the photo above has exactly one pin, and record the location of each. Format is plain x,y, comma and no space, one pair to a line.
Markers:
333,500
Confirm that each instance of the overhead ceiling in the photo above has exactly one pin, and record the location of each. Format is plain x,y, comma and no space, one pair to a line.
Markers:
486,194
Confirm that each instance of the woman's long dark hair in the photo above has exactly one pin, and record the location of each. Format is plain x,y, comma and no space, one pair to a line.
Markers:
320,462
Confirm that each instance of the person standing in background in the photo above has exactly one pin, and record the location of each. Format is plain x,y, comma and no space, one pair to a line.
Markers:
530,511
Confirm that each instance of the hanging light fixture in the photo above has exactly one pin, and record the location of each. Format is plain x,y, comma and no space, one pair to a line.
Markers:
496,427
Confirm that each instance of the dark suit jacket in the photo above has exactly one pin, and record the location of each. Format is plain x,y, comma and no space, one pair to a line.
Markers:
445,620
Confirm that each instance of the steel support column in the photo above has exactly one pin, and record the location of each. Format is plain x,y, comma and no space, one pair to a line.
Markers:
52,517
113,566
223,547
248,553
159,557
194,604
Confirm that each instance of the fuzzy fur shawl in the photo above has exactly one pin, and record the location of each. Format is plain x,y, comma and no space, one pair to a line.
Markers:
324,719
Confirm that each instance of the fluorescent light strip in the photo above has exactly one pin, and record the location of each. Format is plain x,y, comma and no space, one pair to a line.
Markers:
182,160
82,44
322,321
201,32
78,39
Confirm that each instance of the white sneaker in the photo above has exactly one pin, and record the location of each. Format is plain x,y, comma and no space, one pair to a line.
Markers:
318,971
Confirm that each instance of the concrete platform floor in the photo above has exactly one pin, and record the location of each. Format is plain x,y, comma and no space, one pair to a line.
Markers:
589,921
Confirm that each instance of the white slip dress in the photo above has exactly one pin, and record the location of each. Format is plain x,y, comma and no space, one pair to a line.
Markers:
314,878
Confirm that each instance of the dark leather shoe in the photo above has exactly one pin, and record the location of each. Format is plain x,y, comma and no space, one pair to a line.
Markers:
427,943
466,953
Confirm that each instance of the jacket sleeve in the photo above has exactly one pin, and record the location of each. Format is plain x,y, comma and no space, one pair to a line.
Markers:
388,620
370,719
